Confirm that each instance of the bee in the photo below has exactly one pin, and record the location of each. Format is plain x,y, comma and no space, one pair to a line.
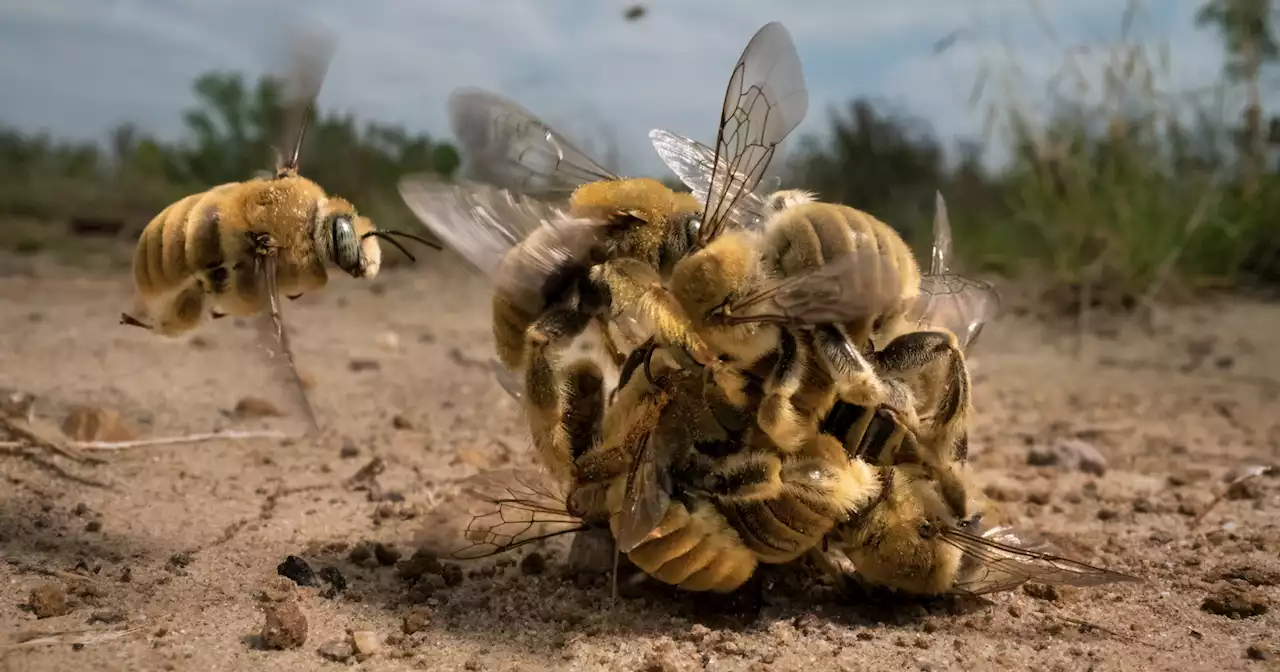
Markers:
237,247
912,542
558,269
920,369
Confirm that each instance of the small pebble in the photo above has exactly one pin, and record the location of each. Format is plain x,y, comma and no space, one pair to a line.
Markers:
366,642
338,650
297,570
416,621
401,422
348,450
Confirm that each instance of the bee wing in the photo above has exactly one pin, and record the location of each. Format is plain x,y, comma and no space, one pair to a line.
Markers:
990,566
694,163
506,145
955,302
484,223
512,510
856,284
311,50
274,339
941,258
647,498
764,101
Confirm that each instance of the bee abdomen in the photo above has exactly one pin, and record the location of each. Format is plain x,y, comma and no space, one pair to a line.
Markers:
771,530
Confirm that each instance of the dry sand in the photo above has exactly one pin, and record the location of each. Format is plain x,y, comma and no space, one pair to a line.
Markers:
180,548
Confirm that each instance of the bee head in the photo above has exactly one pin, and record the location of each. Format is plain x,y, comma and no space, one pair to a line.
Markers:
706,281
346,239
898,542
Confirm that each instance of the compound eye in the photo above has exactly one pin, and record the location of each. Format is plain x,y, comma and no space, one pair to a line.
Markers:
346,246
926,529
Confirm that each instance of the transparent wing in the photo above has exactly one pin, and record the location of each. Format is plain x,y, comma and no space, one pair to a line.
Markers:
646,501
274,340
957,303
941,257
484,223
990,566
856,284
694,162
506,145
311,49
514,511
764,101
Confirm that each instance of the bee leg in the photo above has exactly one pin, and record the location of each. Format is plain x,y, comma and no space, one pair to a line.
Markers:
931,364
611,348
557,405
261,243
632,284
126,318
778,415
856,380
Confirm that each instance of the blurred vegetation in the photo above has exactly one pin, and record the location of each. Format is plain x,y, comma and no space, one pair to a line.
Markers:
1114,181
233,132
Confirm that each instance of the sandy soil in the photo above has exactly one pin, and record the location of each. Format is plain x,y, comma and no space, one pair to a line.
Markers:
179,545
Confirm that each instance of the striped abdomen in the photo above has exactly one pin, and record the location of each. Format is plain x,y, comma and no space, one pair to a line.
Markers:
181,241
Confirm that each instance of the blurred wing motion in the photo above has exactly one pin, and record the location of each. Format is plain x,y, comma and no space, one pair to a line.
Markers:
310,52
507,146
957,303
764,101
517,510
646,500
693,162
992,565
854,285
273,337
480,222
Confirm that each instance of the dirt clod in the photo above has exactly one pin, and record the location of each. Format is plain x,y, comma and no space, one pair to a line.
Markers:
533,564
452,574
1235,602
421,562
401,422
255,407
94,423
1261,652
334,577
1254,576
1042,591
348,450
358,365
284,626
337,650
48,600
1070,454
416,621
297,570
385,554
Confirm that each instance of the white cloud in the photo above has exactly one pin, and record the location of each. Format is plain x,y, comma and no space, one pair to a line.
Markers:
80,67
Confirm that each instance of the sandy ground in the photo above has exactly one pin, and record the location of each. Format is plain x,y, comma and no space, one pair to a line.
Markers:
179,545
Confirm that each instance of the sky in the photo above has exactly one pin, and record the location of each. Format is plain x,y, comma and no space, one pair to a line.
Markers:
77,68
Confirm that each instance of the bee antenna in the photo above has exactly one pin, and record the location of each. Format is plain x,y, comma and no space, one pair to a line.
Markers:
387,236
292,165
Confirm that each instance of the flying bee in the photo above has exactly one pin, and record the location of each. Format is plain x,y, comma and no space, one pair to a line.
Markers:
911,541
235,248
558,269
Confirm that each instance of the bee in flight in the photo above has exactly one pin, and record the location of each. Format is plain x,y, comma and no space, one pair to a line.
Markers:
557,269
235,248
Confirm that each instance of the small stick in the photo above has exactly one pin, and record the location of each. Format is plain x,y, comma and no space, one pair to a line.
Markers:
81,637
193,438
1250,474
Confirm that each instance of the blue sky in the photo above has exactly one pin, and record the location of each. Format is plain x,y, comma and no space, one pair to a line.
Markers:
80,67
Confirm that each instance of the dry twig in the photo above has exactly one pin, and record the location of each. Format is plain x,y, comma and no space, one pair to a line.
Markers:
193,438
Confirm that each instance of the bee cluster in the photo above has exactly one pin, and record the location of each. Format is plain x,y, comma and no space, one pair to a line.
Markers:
791,384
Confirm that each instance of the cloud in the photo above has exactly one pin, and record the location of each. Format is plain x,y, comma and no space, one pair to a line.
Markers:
79,67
